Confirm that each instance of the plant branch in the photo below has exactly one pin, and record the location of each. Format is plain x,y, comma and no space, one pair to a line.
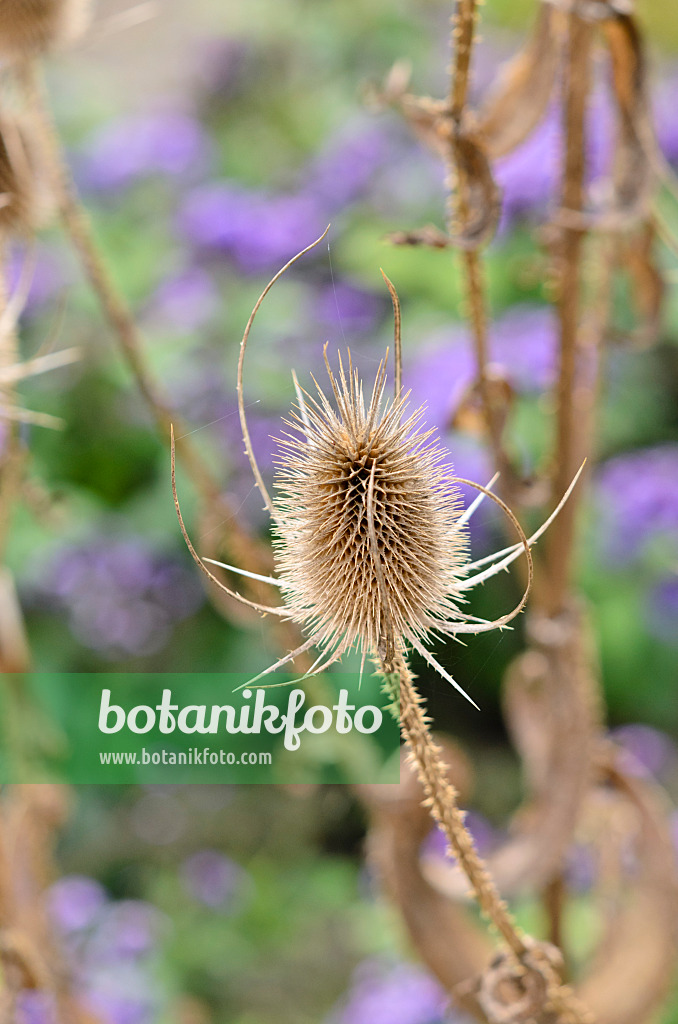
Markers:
119,316
570,250
463,30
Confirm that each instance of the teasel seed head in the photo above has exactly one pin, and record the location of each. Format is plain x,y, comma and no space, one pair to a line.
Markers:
368,542
29,28
370,538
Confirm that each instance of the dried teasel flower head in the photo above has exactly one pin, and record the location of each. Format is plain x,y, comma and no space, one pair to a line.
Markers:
370,537
29,28
367,523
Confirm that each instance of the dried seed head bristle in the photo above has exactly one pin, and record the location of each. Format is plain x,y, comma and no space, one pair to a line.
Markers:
364,484
29,28
25,202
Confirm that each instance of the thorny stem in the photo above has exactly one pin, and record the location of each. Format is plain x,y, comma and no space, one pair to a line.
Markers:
463,28
570,249
441,798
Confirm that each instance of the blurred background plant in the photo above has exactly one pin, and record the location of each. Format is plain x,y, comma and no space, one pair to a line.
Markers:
209,146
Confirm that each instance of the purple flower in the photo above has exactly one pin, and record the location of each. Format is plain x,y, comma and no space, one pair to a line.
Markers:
581,867
35,1007
213,879
401,994
344,170
260,231
48,274
438,377
129,929
121,597
649,751
113,1005
638,496
75,902
168,144
184,302
523,348
662,613
664,103
528,175
354,310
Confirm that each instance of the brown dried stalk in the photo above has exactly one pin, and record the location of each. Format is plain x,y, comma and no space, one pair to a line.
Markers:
76,222
441,799
30,818
577,79
463,22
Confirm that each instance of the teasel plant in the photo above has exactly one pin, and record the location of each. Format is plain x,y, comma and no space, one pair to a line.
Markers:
371,551
575,782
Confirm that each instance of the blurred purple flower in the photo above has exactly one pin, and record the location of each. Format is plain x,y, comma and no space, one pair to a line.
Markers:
638,496
664,103
260,231
129,929
48,275
184,302
36,1007
649,751
108,945
113,1005
662,616
168,144
528,175
523,347
399,994
213,879
581,867
75,902
354,310
438,376
121,597
344,170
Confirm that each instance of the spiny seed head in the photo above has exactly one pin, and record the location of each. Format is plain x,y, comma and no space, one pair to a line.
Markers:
367,533
29,28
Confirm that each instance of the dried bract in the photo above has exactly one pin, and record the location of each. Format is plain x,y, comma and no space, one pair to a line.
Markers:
25,202
29,28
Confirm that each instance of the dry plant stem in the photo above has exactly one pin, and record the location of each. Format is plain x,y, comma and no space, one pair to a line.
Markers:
442,800
559,547
441,797
114,306
11,460
120,317
478,318
463,27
